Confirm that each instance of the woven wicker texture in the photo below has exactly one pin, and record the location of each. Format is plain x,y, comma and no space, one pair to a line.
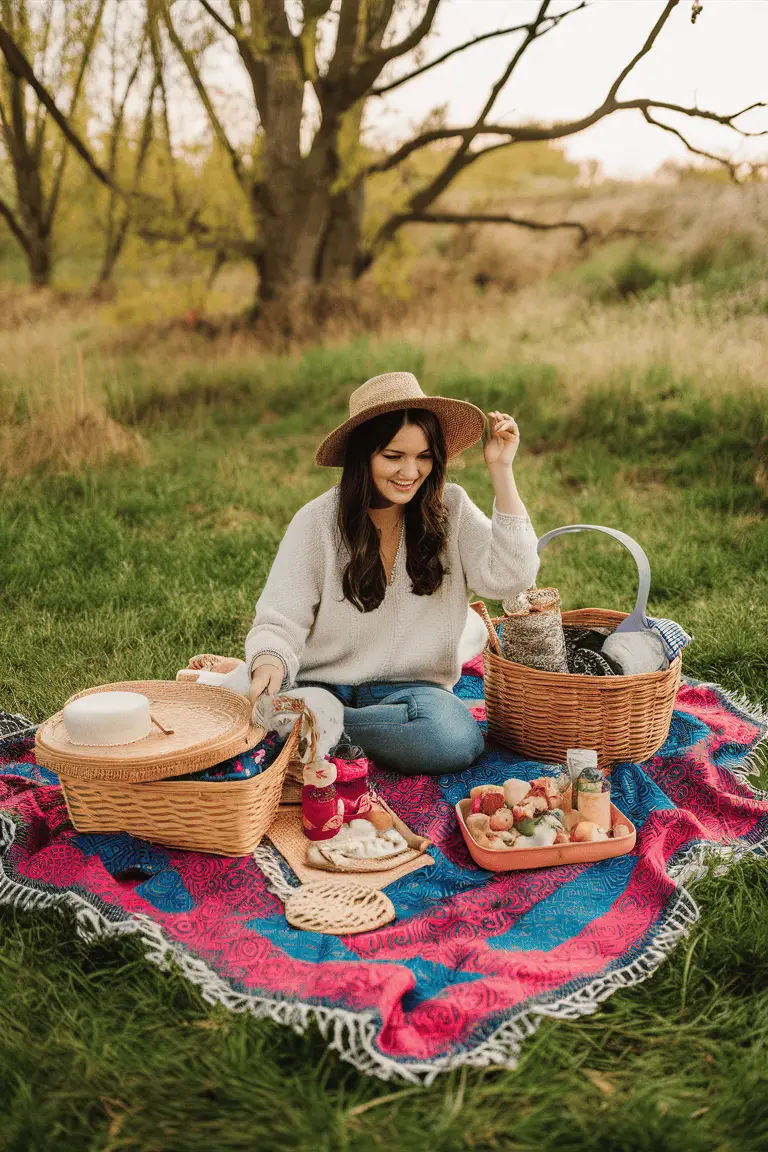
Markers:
209,725
338,909
226,819
287,835
291,788
542,714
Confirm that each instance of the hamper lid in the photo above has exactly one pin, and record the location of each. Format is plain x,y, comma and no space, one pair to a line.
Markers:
209,724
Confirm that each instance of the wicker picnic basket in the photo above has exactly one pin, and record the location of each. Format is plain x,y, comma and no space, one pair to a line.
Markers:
543,714
129,788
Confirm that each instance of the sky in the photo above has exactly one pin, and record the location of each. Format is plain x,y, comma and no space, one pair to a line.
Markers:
719,63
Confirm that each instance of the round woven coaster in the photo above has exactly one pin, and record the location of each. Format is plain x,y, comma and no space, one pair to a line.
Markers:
338,909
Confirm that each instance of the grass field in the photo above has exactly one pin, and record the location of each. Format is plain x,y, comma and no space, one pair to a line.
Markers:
141,504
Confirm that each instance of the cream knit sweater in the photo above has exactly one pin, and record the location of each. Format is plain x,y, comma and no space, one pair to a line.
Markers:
302,616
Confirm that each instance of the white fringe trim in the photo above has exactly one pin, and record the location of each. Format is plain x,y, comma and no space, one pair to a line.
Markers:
353,1035
759,715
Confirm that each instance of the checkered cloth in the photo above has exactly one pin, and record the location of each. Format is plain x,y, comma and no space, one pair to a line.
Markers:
674,638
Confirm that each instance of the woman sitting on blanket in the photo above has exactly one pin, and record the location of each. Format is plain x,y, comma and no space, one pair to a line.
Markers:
367,596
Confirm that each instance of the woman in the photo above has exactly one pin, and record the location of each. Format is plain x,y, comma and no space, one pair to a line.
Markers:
367,595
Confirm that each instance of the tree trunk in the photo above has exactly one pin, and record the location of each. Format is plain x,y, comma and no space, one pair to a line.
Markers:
339,251
39,261
290,239
298,220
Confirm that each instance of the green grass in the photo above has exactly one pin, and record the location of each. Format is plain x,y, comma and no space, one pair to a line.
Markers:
125,573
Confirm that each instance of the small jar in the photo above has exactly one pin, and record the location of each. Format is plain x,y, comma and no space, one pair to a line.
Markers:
594,798
564,788
322,809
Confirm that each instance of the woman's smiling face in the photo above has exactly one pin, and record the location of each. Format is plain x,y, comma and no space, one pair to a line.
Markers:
401,467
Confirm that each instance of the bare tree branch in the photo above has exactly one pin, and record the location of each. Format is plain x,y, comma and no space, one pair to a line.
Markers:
314,11
205,238
219,19
119,115
382,89
19,66
467,135
422,29
427,195
205,100
696,151
64,153
463,155
157,56
650,41
237,15
13,224
38,133
343,60
532,133
700,113
347,82
116,236
492,218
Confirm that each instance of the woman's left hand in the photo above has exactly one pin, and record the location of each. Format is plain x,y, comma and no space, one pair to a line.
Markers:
503,439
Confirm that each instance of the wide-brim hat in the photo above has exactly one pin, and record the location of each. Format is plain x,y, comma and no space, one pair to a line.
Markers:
461,421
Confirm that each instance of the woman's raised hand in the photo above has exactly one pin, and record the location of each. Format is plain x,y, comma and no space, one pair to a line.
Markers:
503,439
267,675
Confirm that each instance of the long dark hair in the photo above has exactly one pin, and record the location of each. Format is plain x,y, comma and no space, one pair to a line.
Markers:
426,518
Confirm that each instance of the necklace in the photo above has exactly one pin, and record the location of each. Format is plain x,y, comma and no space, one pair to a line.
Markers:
397,553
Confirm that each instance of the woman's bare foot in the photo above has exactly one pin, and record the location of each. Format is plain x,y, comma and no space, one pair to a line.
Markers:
209,663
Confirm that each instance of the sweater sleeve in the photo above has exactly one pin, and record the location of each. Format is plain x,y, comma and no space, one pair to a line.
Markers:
499,555
285,610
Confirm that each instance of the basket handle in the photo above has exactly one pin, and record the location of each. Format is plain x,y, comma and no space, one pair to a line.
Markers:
636,621
482,612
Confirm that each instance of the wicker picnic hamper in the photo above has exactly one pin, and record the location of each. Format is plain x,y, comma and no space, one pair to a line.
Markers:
125,790
542,714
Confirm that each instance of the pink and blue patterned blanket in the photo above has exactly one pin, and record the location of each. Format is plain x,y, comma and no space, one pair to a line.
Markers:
474,960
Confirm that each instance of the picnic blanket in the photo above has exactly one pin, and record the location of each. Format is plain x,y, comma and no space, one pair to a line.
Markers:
474,960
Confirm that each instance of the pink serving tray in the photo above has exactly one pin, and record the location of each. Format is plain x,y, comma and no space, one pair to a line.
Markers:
511,859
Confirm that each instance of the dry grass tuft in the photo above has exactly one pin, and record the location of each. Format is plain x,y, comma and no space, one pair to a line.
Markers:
60,424
68,442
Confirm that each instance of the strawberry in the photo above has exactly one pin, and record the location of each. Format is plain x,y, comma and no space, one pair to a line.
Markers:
490,802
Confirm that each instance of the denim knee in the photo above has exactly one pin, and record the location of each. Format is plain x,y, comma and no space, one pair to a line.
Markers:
452,750
449,736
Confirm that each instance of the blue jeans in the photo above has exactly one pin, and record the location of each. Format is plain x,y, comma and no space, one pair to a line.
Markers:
413,728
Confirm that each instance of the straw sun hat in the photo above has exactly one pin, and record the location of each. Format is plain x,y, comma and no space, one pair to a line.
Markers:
462,422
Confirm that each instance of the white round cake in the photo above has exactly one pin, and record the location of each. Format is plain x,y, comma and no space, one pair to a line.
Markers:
107,718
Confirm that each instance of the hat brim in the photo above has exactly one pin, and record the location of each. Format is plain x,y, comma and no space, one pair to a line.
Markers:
462,424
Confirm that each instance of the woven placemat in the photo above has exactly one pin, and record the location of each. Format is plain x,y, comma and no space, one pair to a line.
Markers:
287,834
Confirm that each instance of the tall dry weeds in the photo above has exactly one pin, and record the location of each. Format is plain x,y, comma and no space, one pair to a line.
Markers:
60,423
